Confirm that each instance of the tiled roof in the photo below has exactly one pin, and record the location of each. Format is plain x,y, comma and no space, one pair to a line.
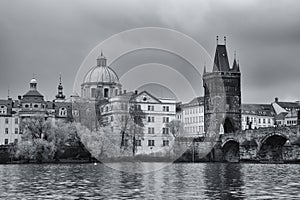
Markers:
258,109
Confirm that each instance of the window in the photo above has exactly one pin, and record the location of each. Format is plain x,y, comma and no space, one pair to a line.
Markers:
6,141
269,121
166,108
16,120
26,106
151,143
6,120
16,141
6,130
93,92
165,130
150,130
111,118
138,143
62,112
16,130
3,109
259,120
165,143
35,105
165,119
264,120
150,119
150,108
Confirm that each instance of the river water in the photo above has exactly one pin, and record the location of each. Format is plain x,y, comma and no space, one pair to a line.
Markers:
175,181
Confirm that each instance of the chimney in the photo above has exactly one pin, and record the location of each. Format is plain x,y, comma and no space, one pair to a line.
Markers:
136,92
19,97
276,99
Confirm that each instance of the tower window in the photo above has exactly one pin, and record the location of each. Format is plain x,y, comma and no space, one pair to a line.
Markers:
106,92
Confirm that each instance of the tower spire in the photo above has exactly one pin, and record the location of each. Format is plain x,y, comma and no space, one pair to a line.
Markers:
60,95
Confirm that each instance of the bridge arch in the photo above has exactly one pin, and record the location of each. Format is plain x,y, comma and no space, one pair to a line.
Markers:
231,150
270,147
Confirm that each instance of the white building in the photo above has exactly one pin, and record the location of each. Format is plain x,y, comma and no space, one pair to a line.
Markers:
256,116
192,116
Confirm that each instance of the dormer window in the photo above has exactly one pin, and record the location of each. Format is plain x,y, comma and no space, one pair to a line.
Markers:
3,110
62,112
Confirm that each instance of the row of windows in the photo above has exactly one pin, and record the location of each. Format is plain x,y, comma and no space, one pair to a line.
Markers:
7,131
190,120
194,110
16,121
151,143
259,120
291,122
194,129
33,106
6,141
151,130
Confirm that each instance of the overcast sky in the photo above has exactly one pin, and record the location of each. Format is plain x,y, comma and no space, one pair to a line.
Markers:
46,37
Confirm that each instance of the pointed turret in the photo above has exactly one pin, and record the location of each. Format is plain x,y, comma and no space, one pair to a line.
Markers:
234,66
60,95
221,59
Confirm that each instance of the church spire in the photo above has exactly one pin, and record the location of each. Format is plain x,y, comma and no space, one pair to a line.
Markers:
60,95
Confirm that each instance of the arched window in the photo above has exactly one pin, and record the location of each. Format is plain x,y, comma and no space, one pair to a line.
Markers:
106,92
3,110
62,112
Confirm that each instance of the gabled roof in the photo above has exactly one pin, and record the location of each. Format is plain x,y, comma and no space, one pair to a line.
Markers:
147,94
221,62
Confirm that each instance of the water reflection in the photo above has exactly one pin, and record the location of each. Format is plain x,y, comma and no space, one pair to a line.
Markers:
224,181
176,181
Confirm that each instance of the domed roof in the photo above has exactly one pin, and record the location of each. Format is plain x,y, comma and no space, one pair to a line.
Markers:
33,80
101,73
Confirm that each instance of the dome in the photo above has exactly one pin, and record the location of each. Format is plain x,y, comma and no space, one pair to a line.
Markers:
103,74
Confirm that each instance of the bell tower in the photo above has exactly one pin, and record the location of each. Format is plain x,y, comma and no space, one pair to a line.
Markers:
222,95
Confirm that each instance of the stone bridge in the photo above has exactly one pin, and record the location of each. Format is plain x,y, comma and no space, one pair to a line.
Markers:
278,144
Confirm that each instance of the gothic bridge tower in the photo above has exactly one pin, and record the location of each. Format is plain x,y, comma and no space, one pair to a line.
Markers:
222,94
